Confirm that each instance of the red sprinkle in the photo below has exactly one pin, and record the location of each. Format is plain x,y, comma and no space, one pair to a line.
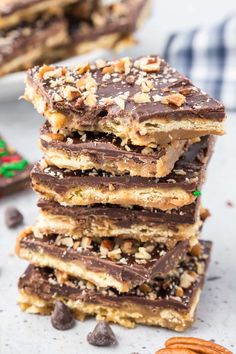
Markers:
12,158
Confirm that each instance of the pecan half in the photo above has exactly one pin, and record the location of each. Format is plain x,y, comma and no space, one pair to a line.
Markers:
194,345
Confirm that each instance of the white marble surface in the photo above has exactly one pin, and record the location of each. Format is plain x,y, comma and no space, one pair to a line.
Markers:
216,319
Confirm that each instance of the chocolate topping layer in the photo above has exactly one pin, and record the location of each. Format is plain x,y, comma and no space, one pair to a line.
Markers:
188,174
126,268
112,95
161,292
124,217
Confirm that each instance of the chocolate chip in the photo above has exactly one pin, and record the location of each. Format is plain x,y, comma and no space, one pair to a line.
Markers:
102,335
62,318
13,217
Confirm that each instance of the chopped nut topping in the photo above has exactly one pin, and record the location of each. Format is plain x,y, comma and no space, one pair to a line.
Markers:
148,64
196,250
50,136
64,241
186,90
145,288
106,246
115,254
83,137
149,247
175,98
90,100
141,97
57,97
111,187
86,242
100,63
120,102
62,277
147,150
71,93
44,69
200,268
83,68
108,70
157,98
179,292
147,86
187,278
76,244
128,246
180,172
142,254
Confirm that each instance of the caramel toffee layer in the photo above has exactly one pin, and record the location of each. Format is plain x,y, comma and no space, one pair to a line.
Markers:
122,18
92,186
25,44
144,101
122,264
106,152
170,302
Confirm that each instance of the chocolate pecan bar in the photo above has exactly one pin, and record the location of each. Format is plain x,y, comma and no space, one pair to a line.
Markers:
105,262
106,152
181,187
169,302
143,101
114,221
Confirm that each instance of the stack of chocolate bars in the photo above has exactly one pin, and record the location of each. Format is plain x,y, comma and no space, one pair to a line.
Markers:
126,145
39,31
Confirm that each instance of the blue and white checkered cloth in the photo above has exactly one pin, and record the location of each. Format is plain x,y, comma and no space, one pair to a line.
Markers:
208,57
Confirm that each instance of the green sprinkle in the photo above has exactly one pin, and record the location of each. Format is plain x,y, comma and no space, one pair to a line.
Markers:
2,144
3,148
197,193
7,168
8,174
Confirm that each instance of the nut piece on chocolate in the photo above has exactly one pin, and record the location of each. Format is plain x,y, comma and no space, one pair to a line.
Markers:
62,318
102,335
14,170
143,101
13,217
